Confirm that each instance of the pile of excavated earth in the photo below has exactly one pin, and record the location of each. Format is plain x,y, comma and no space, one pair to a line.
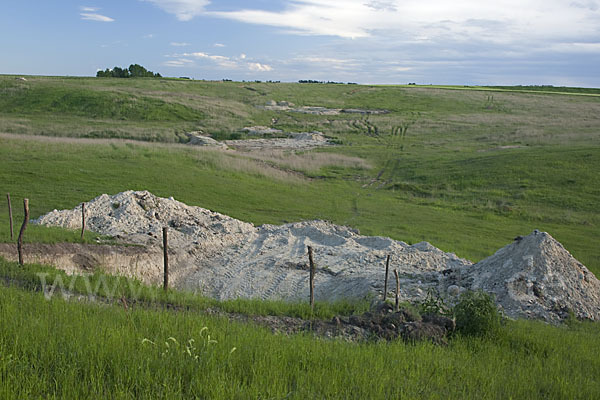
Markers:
290,140
273,105
221,257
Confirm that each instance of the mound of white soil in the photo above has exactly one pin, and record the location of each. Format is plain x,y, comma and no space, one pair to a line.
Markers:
226,258
294,141
316,110
536,277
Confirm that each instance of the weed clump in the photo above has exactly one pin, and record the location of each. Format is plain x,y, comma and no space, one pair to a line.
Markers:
477,315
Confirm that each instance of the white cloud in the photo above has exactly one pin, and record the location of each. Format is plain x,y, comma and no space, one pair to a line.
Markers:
200,54
576,47
385,5
501,21
95,17
184,10
181,62
463,41
179,44
259,67
89,9
148,36
223,62
313,17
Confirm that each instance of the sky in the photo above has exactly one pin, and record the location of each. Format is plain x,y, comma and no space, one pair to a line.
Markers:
458,42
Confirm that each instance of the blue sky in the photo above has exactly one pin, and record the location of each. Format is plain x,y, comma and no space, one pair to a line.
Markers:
366,41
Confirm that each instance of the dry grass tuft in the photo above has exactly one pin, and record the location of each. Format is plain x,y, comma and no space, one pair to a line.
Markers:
307,162
231,161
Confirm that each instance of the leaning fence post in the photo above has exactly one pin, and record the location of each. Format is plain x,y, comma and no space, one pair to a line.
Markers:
312,278
165,259
387,267
397,306
10,216
23,227
82,219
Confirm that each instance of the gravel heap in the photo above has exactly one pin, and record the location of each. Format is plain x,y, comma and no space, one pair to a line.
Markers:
534,277
138,217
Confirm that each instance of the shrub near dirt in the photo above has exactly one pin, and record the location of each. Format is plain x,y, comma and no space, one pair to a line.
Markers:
384,323
476,314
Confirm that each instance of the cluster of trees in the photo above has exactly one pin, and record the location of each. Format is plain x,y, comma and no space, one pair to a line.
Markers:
328,82
134,71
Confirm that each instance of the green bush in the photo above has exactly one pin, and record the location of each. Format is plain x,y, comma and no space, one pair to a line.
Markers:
476,314
433,304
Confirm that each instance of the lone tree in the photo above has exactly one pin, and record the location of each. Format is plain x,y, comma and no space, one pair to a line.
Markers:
134,71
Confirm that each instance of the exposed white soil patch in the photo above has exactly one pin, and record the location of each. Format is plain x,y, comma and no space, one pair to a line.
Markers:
138,262
261,130
294,141
199,139
316,110
506,147
534,277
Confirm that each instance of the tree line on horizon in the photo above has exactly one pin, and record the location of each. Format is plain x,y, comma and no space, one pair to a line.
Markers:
134,71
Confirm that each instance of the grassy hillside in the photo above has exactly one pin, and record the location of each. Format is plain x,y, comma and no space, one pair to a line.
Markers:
473,222
162,109
471,170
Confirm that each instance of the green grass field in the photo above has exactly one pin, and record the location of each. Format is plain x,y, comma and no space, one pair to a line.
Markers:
474,168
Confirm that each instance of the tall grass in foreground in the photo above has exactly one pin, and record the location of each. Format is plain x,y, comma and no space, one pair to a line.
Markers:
112,288
59,349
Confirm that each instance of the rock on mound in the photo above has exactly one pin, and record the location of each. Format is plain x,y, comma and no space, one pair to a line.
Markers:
199,139
536,277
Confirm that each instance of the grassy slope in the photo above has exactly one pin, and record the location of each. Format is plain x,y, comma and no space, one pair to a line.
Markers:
453,219
474,169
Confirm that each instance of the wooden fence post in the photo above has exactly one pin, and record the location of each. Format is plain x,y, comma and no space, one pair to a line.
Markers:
312,278
166,260
10,216
387,268
82,219
23,227
397,306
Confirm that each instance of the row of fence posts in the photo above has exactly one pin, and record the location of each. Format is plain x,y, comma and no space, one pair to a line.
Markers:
26,222
312,265
23,226
385,284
